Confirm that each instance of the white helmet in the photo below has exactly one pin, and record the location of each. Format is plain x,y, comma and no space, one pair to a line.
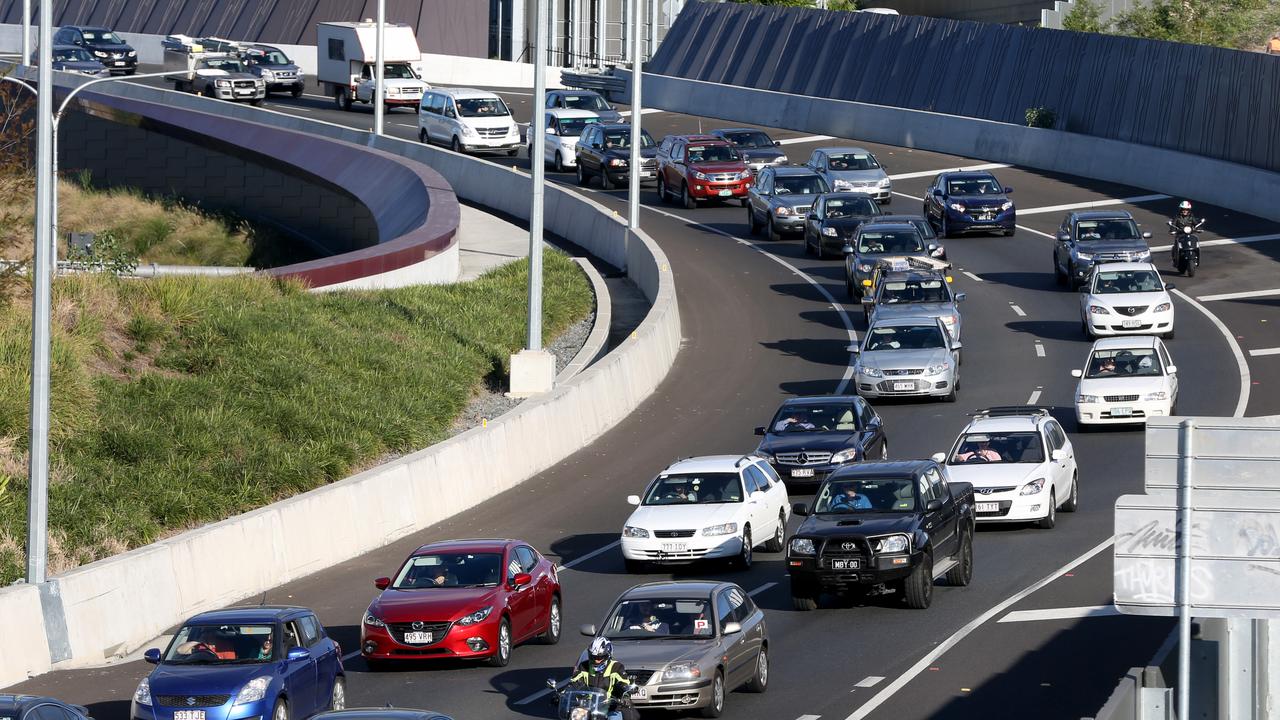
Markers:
601,649
1185,205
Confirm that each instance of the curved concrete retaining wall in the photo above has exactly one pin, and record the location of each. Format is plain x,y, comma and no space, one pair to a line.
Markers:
115,605
1239,187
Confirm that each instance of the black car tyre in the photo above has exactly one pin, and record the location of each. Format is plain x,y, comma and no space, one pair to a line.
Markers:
951,396
554,623
744,558
822,254
1168,335
582,175
256,101
752,226
344,100
1049,521
1008,233
559,163
281,711
502,654
772,230
296,91
779,539
338,698
512,152
455,144
689,202
760,680
716,708
1073,501
744,202
803,598
962,574
605,182
422,136
917,589
662,189
1058,274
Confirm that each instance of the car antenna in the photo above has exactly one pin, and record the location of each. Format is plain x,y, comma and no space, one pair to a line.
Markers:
262,600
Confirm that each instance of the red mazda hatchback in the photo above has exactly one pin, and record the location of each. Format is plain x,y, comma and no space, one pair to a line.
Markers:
463,599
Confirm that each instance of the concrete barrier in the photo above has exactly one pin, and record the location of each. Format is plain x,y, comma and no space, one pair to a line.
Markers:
116,605
1239,187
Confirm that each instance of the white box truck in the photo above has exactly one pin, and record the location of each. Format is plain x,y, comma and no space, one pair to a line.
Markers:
345,56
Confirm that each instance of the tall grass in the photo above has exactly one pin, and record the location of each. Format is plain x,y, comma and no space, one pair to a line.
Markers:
181,401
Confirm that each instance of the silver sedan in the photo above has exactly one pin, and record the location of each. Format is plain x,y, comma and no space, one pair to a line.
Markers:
906,357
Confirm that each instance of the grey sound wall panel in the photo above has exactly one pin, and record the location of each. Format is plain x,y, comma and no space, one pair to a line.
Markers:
1196,99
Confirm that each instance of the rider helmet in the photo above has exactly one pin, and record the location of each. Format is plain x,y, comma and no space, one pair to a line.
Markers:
1184,207
600,653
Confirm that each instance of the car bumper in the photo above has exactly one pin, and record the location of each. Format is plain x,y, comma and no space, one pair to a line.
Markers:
403,101
237,95
788,223
622,176
228,711
691,694
459,641
809,575
1103,413
1011,507
1146,324
119,67
283,85
681,550
876,193
808,473
897,386
958,222
704,190
474,144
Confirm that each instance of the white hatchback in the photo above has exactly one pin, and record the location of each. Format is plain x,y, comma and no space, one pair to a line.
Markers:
1126,299
1126,380
564,127
706,508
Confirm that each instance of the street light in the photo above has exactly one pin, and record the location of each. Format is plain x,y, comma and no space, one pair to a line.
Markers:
379,67
633,194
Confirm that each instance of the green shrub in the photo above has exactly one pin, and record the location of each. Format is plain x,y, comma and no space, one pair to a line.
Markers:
1041,117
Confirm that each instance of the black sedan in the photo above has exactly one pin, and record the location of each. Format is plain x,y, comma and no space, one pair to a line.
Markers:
811,437
757,148
834,220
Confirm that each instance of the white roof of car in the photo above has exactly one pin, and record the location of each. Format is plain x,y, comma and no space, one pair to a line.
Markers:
1006,423
1125,341
1111,266
704,464
571,113
464,93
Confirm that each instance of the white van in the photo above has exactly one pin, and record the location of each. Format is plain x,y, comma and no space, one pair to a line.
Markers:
564,127
467,120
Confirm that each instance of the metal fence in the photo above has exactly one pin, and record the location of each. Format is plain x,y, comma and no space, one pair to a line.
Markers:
1201,100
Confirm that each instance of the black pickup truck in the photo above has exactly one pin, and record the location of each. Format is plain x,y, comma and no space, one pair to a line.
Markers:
883,525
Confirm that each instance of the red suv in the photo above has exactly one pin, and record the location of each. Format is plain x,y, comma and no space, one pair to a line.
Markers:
463,599
701,167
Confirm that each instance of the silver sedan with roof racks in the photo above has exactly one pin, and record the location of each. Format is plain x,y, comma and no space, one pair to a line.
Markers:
914,291
908,357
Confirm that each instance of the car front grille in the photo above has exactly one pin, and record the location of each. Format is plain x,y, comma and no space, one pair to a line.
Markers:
1131,310
492,132
285,75
801,210
835,548
673,533
649,164
1116,257
244,83
993,490
192,701
722,177
411,91
437,629
1122,328
1135,415
911,371
691,554
1120,398
804,458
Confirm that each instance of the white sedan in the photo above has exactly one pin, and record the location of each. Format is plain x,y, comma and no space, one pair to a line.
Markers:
1126,299
705,508
1126,380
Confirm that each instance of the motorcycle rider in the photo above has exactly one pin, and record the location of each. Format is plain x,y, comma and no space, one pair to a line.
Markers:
600,670
1179,221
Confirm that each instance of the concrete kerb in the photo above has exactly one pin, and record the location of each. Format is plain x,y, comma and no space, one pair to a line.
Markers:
599,335
1239,187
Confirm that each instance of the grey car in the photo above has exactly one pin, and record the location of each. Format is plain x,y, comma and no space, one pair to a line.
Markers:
915,293
712,639
275,68
926,231
908,357
75,59
1087,238
852,169
780,199
583,100
875,240
756,147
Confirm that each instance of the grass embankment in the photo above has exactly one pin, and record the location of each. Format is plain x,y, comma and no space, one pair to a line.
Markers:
181,401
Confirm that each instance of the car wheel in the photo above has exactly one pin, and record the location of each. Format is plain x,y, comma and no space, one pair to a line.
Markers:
582,175
803,597
1048,521
822,254
771,230
512,152
689,202
296,91
605,182
662,189
559,162
636,567
753,227
760,681
944,231
338,698
502,654
422,136
1073,502
848,289
918,587
552,635
344,100
744,558
256,101
951,396
1008,233
962,573
1071,275
455,144
779,539
716,708
281,711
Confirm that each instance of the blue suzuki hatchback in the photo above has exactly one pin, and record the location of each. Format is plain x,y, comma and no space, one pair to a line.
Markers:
273,663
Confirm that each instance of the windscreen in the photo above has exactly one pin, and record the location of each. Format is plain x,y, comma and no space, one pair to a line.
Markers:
1127,281
837,208
1007,447
398,71
273,57
1133,362
866,495
904,337
573,127
449,570
622,139
659,618
1117,229
974,186
711,153
482,107
801,185
915,291
748,140
695,489
587,101
221,644
852,161
890,241
827,417
102,36
72,55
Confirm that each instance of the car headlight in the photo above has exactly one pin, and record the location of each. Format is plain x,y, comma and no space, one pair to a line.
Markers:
886,183
863,267
802,546
634,532
1084,256
699,175
725,529
957,207
870,371
1033,487
99,53
842,185
1006,206
781,160
467,130
767,457
617,162
682,671
845,456
950,321
1143,256
142,695
1157,395
1098,310
1163,307
267,74
254,690
373,620
223,83
477,616
745,174
893,544
940,367
830,232
1086,398
782,210
133,53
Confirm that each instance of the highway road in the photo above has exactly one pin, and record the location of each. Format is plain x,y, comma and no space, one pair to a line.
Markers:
762,322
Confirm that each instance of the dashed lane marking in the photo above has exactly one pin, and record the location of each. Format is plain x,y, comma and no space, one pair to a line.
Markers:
762,588
971,276
869,681
1264,351
809,717
1039,350
1037,232
1238,295
1017,310
646,111
909,197
1035,396
578,561
1096,203
804,139
350,655
1226,241
931,173
1070,613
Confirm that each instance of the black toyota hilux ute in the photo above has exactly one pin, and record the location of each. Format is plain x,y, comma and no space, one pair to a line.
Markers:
888,526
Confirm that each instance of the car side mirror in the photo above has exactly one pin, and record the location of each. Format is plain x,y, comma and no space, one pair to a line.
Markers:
298,653
1063,237
936,192
732,628
813,216
847,249
777,143
382,583
933,246
961,296
939,458
1170,286
1058,455
868,300
596,146
800,509
1008,190
152,656
957,345
521,579
450,113
933,505
1077,373
760,430
1146,235
633,499
551,131
1172,369
588,630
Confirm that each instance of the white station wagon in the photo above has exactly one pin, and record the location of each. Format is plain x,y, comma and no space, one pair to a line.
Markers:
1126,380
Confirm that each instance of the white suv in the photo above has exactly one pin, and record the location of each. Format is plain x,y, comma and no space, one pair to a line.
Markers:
1021,464
564,127
1126,299
467,121
705,508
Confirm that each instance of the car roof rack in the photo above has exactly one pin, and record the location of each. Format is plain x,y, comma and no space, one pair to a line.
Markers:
1011,410
903,263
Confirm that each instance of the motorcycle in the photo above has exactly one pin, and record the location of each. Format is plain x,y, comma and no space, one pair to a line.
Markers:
585,703
1186,247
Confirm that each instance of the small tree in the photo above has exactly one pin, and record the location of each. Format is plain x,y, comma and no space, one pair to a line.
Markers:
1085,16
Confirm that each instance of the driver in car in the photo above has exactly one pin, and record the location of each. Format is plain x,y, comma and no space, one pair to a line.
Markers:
981,453
645,620
850,499
792,422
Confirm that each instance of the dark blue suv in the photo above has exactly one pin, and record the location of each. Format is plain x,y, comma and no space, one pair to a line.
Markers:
244,663
32,707
962,202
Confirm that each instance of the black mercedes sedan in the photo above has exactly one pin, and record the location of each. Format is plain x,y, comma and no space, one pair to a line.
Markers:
834,220
811,437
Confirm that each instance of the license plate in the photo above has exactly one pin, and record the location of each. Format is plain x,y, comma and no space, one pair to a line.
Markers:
987,507
904,386
120,63
640,694
645,173
802,472
846,564
674,547
1130,323
726,193
418,638
188,715
1121,412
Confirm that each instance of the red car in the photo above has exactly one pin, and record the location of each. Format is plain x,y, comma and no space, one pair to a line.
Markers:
701,167
463,599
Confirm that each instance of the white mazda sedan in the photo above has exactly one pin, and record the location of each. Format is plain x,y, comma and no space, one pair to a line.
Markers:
1126,380
707,508
1126,299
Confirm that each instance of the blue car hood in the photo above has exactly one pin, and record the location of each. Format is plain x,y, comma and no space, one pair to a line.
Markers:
204,678
979,200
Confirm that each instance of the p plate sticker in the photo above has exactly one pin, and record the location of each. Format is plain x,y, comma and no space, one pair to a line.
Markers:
701,624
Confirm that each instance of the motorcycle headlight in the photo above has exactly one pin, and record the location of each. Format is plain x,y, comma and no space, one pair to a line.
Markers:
253,691
957,207
830,232
142,695
373,620
1098,310
886,182
477,616
845,456
1084,256
1157,395
940,367
870,371
1033,487
1006,206
699,175
1086,398
634,532
725,529
893,544
682,671
783,211
1163,307
801,546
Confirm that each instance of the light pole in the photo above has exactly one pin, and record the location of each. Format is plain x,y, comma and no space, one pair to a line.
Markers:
26,33
633,194
379,92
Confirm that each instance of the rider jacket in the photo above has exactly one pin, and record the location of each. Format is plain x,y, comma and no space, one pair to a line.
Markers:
612,680
1180,220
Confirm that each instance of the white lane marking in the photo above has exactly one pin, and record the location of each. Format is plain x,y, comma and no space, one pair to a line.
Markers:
1037,232
1226,241
1017,310
646,111
1238,295
1035,396
1039,350
1096,203
931,173
762,588
1242,403
909,197
350,655
901,681
804,139
1264,351
869,681
809,717
540,694
1070,613
588,556
971,276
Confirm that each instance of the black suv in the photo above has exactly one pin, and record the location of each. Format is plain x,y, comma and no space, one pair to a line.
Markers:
604,150
272,65
811,437
887,526
107,47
